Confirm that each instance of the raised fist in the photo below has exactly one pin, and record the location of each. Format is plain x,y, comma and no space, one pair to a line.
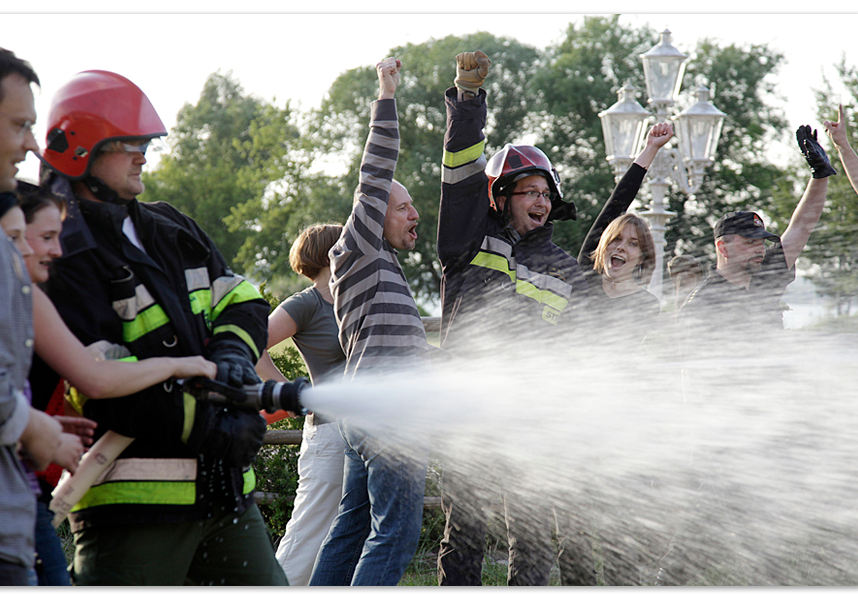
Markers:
471,71
388,76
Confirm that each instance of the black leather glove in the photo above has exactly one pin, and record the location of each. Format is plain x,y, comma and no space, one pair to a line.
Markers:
233,436
235,366
820,166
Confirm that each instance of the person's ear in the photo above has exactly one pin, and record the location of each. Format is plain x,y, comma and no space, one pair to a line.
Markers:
721,248
500,201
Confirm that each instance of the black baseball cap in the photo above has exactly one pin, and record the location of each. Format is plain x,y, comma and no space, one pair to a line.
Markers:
745,223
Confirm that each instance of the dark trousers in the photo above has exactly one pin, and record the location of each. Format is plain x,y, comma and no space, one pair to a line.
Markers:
466,507
226,549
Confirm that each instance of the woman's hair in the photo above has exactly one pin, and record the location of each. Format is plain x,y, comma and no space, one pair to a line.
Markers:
309,253
34,199
613,231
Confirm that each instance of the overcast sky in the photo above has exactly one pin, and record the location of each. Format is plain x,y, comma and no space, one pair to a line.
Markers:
298,56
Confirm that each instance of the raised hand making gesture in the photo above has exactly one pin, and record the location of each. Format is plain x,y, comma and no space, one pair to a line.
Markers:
840,138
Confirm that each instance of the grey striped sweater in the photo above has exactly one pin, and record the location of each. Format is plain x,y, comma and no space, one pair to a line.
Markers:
380,326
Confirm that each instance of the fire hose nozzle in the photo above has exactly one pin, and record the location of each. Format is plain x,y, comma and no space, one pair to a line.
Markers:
269,396
272,396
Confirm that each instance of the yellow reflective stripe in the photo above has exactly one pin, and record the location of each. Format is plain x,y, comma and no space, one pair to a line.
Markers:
463,157
542,296
190,405
139,492
249,481
201,302
493,262
552,300
145,322
235,329
459,166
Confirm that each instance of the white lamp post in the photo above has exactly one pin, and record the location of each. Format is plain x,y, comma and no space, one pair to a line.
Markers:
697,131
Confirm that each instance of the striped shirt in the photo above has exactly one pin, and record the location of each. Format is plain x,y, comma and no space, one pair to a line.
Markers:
380,326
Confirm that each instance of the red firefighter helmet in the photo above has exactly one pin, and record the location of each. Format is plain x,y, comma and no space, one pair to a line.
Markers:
93,108
503,168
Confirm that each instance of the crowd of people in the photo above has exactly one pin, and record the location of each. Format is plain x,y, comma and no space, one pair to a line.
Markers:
109,302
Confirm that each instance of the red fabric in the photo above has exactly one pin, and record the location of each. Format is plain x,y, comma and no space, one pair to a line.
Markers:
52,474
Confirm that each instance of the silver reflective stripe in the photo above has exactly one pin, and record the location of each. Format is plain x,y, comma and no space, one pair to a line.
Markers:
197,279
453,176
150,469
129,308
223,286
543,281
498,246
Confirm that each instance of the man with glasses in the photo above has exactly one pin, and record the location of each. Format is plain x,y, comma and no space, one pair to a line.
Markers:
177,505
501,274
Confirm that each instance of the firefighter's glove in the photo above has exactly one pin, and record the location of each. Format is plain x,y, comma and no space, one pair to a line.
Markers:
235,366
231,435
471,71
820,166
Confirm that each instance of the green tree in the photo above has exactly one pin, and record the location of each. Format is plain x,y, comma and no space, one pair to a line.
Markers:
743,176
579,80
223,153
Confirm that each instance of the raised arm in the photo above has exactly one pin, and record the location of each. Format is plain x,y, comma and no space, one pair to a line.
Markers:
659,135
66,355
840,138
626,190
809,208
464,185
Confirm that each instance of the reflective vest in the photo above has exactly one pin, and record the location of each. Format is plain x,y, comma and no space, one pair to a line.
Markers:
169,301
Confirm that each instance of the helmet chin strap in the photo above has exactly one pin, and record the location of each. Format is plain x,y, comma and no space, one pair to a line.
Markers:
102,191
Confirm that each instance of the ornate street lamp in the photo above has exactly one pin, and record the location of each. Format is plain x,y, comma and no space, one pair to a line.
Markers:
696,129
623,129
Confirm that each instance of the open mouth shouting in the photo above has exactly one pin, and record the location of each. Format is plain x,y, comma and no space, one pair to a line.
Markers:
537,216
617,261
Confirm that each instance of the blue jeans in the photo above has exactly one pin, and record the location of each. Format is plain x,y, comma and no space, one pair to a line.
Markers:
377,527
54,568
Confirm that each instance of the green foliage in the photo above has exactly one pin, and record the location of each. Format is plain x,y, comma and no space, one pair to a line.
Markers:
224,152
742,178
581,79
